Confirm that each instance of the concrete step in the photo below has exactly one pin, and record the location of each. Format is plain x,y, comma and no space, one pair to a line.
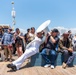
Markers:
37,60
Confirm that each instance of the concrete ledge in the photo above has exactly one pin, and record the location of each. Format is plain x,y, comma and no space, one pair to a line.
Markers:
37,60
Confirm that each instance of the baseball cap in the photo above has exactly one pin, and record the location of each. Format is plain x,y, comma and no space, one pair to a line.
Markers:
55,30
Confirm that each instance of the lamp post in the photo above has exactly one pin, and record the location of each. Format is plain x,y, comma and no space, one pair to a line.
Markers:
13,14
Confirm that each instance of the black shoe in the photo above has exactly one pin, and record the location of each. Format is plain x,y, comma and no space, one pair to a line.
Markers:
14,68
9,65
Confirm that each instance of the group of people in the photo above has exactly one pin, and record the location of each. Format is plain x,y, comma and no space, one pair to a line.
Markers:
15,42
31,43
54,45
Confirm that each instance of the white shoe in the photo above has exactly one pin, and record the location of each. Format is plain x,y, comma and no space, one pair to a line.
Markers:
52,66
47,65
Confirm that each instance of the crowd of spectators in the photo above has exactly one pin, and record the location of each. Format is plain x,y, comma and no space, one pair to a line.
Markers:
15,44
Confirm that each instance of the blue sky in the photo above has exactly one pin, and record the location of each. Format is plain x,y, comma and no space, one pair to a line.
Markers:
31,13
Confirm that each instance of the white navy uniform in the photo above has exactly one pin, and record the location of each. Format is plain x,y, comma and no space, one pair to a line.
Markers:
31,49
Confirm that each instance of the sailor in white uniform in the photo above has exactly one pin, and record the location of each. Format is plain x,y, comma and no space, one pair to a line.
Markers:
31,49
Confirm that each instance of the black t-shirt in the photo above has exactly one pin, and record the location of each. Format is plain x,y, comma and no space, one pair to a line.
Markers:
51,45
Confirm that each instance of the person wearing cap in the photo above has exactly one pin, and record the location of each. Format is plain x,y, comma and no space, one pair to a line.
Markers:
50,50
65,45
6,41
31,49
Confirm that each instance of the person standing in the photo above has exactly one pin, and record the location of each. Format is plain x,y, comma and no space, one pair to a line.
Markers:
70,35
7,41
29,36
32,34
1,34
18,36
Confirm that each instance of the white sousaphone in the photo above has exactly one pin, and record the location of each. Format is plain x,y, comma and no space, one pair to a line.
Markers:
43,27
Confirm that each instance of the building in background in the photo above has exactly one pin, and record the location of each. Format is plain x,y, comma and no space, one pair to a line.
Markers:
4,27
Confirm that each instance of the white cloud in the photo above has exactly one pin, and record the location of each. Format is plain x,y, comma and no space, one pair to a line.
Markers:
23,30
62,29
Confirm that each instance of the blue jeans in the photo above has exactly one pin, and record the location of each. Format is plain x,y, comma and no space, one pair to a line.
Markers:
51,58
